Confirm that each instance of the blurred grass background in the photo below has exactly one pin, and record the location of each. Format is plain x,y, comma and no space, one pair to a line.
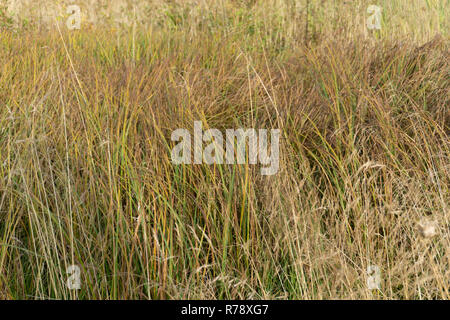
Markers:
418,19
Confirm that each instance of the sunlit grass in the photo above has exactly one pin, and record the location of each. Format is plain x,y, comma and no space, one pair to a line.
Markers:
86,175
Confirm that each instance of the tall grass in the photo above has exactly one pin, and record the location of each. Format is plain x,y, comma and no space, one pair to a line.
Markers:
86,175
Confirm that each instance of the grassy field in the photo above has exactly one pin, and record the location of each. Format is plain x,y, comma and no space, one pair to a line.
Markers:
86,176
